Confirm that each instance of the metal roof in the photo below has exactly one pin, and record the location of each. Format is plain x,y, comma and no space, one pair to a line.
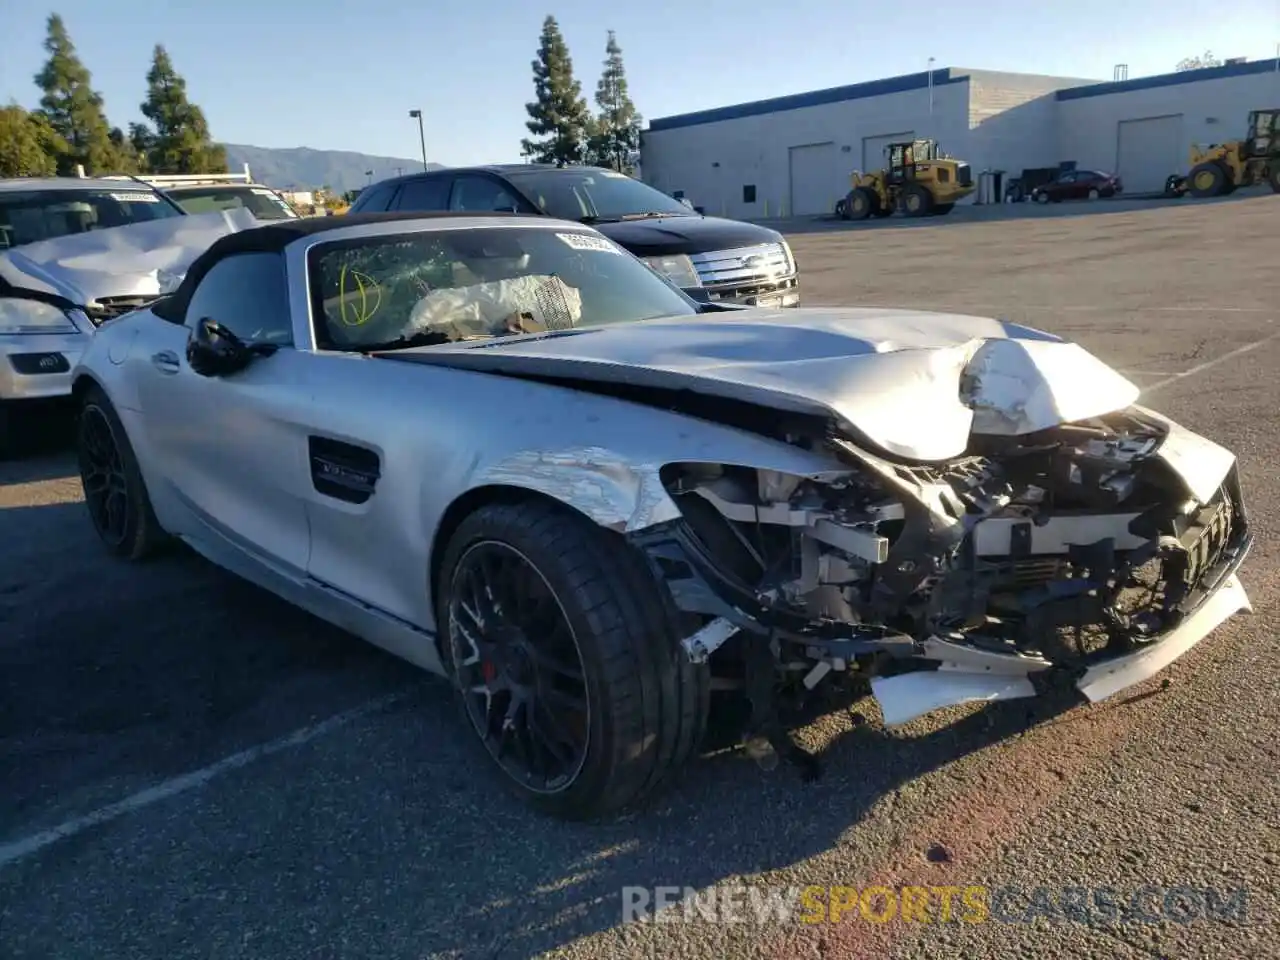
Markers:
69,184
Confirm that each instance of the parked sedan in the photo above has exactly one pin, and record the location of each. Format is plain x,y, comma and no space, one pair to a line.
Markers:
510,453
1078,185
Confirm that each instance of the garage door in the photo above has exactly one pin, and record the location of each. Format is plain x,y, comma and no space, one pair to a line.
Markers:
873,148
1148,150
816,179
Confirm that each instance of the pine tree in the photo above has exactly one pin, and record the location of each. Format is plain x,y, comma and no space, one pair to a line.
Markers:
615,130
73,108
28,145
558,115
180,142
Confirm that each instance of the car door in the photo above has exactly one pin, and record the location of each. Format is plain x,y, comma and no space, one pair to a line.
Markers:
231,451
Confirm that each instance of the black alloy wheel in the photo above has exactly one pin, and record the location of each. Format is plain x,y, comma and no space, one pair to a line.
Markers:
519,667
105,480
114,492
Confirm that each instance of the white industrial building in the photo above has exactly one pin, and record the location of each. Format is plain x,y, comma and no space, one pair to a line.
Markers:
792,156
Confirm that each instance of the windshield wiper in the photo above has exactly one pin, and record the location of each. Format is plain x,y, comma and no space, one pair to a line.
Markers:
420,338
653,214
593,220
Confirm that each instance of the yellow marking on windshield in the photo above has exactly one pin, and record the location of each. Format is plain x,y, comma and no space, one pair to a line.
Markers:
359,310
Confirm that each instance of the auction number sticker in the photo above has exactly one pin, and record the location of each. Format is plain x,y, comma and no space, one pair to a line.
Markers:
584,241
135,197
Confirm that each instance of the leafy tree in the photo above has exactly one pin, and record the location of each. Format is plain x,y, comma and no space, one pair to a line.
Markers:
128,156
141,142
180,142
1207,59
558,115
615,130
73,108
28,145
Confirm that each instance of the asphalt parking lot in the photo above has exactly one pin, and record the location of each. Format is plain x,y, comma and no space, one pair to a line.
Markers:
192,769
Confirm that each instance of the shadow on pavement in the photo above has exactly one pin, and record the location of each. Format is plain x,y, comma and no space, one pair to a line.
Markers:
114,677
724,819
54,462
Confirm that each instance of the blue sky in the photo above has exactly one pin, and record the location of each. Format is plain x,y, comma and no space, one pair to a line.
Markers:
337,75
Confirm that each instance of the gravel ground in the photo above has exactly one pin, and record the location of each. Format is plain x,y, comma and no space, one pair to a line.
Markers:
373,832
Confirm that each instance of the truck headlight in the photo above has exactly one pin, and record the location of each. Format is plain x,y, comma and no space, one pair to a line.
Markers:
19,315
677,268
791,257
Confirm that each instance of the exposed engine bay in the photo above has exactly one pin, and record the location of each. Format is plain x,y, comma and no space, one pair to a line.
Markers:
1031,556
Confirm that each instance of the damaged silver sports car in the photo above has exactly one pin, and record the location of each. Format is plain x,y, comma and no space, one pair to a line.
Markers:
507,451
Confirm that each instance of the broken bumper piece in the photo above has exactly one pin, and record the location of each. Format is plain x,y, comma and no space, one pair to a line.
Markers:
908,696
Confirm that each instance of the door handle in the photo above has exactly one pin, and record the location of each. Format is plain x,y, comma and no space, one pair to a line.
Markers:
166,361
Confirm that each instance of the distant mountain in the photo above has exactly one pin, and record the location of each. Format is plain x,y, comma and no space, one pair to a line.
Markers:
301,168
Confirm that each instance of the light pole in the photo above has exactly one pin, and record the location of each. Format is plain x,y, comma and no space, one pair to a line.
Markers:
422,139
931,86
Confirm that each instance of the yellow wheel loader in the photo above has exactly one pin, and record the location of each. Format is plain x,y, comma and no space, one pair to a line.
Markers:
1221,168
918,179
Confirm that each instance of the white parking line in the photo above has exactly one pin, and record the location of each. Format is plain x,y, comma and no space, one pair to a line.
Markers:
1208,364
18,849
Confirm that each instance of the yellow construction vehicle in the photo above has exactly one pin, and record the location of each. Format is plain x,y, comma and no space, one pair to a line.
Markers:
1220,168
918,179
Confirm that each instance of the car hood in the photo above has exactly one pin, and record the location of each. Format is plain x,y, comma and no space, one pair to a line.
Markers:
138,260
916,385
665,236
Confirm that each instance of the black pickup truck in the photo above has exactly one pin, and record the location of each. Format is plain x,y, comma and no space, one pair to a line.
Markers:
708,257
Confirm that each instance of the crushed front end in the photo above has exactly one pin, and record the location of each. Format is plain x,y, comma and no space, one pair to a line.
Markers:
1096,551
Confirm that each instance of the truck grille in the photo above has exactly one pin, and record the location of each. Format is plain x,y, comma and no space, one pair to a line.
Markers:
964,175
765,267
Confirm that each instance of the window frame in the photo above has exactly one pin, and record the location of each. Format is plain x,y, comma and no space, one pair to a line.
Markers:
304,259
191,317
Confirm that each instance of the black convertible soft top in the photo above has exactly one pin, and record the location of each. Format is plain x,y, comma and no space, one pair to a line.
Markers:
275,236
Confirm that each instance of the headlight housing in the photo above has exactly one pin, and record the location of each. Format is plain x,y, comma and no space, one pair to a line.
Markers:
791,257
677,268
19,315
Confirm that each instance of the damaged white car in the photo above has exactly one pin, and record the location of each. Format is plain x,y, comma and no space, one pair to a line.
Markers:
75,252
507,451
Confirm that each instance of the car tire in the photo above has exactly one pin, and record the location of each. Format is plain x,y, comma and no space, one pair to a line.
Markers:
1273,176
1040,196
630,704
1094,194
8,432
114,492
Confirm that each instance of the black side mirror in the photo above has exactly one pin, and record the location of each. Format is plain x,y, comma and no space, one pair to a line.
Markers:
214,351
